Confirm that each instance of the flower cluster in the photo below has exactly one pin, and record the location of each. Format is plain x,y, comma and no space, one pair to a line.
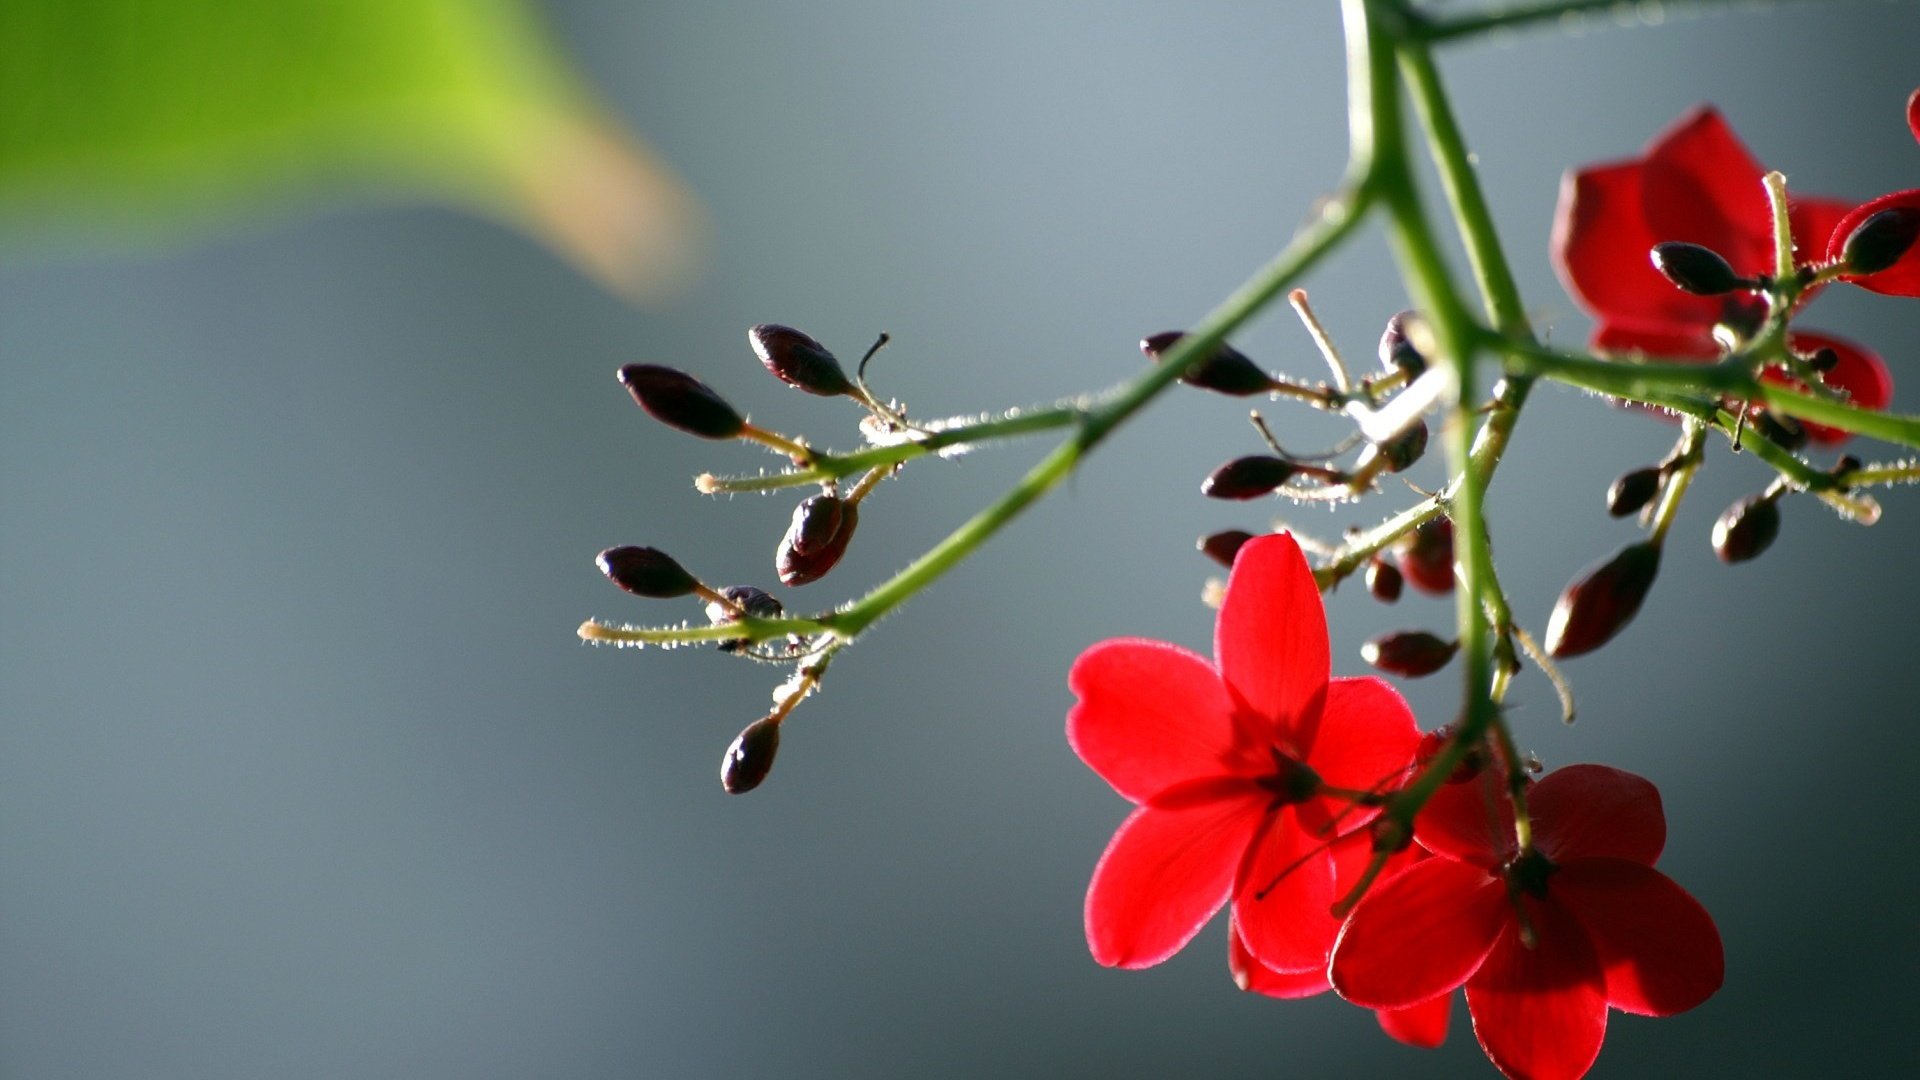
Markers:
1255,778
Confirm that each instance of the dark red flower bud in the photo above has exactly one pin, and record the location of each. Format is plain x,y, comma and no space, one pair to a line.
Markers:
1408,653
755,602
1221,547
1695,269
679,400
1746,529
1384,580
750,757
1247,477
1879,241
1405,448
1823,360
798,360
1433,742
645,571
1602,600
1426,555
818,535
1226,371
1783,431
1632,491
1397,352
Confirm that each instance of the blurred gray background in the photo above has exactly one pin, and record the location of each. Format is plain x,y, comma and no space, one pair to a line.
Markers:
304,774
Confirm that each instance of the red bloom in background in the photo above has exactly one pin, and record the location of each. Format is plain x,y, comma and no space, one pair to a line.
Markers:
1903,277
1607,928
1231,767
1695,183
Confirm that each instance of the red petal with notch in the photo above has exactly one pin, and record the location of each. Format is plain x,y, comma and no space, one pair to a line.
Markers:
1597,811
1283,902
1470,821
1602,251
1423,1025
1251,975
1271,638
1367,738
1903,277
1165,873
1540,1013
1658,947
1702,186
1150,715
1420,935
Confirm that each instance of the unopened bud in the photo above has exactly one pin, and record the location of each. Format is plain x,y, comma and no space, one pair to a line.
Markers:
1602,600
1699,270
1397,351
1408,653
1632,491
1403,449
1783,431
1746,529
798,360
750,757
1247,477
679,400
1824,359
1384,580
1226,371
1881,240
645,571
1221,547
754,602
1426,556
817,536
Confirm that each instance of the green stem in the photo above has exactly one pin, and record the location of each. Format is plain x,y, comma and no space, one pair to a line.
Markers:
837,466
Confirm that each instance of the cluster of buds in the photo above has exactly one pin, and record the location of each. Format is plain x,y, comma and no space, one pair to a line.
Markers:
817,538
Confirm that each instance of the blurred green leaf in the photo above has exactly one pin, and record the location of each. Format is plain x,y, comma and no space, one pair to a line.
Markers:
148,118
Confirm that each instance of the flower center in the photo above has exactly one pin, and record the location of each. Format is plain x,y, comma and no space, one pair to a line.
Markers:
1290,781
1529,873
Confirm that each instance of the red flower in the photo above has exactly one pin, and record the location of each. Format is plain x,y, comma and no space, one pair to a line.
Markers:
1903,277
1695,183
1236,770
1423,1025
1607,929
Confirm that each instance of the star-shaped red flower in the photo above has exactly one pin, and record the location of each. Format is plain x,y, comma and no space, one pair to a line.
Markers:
1903,277
1236,768
1606,928
1695,183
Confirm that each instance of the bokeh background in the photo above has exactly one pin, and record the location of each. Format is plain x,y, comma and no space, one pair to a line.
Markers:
304,774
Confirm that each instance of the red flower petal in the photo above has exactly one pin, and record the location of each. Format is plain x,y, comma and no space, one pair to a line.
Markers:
1283,902
1423,1025
1271,638
1470,821
1861,373
1903,277
1664,341
1150,715
1165,873
1913,115
1602,251
1252,975
1815,221
1596,811
1702,186
1658,946
1420,935
1540,1013
1367,738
